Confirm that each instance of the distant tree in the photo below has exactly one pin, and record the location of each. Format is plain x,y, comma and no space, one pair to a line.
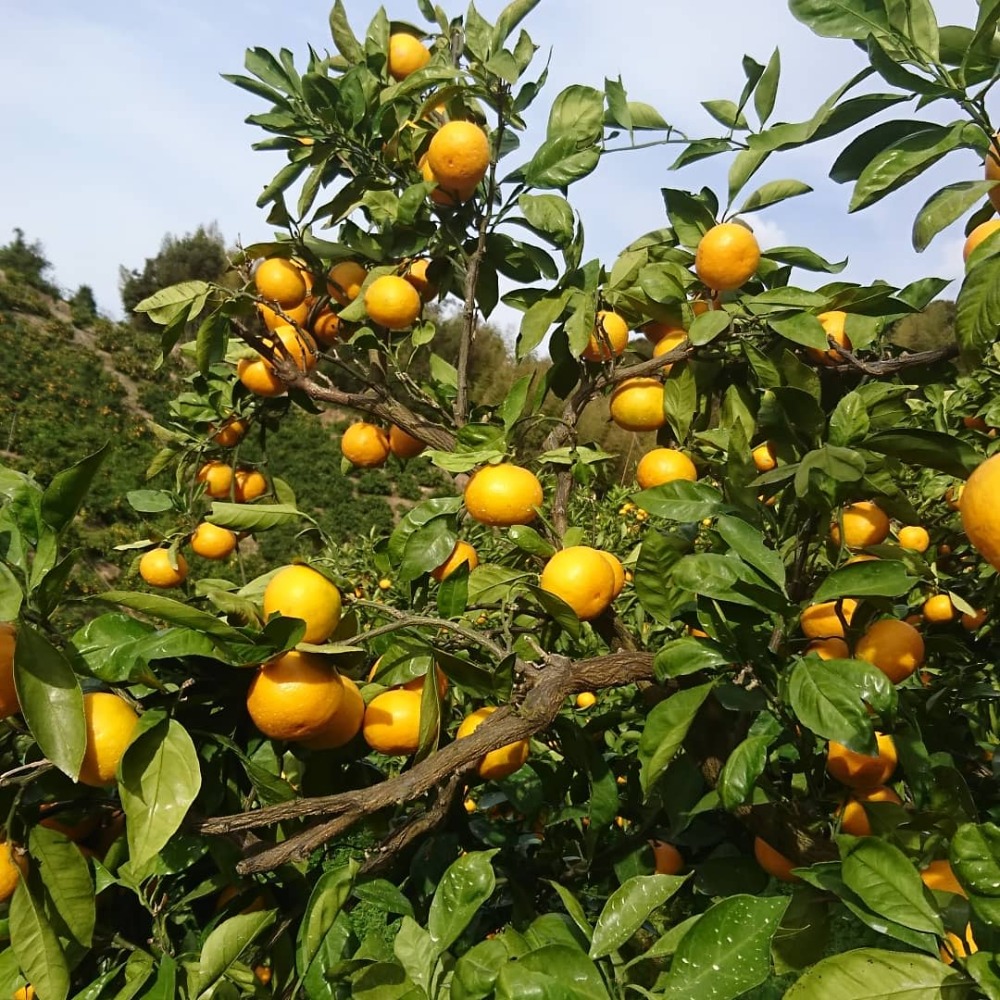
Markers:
83,306
928,330
27,262
200,255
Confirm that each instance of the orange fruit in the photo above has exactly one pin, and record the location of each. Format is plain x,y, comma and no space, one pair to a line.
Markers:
263,974
439,195
992,173
585,700
981,512
833,325
416,275
301,592
893,646
727,256
326,327
503,495
865,523
497,764
259,378
9,704
463,554
110,725
969,622
24,993
957,946
279,280
829,649
975,424
608,339
392,302
858,770
581,577
231,433
938,608
212,542
294,696
417,683
403,444
72,823
668,342
939,876
458,156
345,281
250,484
915,538
299,314
407,54
617,570
365,445
773,862
655,331
978,235
821,621
853,818
230,892
155,568
392,722
9,871
217,477
664,465
295,346
668,860
764,458
637,404
345,723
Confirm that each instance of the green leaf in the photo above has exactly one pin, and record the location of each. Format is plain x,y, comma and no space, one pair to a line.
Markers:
462,890
680,399
681,500
772,193
929,449
66,876
550,214
945,206
574,908
726,113
509,18
978,316
874,974
708,326
64,495
37,947
975,856
225,945
555,972
11,595
512,407
666,727
801,328
727,952
427,548
658,554
747,542
689,216
577,113
175,612
560,162
171,304
385,895
849,422
855,19
51,700
873,578
149,501
159,780
252,516
885,880
628,908
767,88
688,655
742,769
326,901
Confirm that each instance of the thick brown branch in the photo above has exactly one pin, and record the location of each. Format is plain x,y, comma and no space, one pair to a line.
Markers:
889,366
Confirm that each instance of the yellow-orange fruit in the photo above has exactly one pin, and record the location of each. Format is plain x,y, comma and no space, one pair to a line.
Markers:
940,877
392,722
459,155
978,235
392,302
345,723
833,324
821,621
608,339
726,257
503,495
858,770
463,554
666,857
250,484
582,577
617,570
915,538
407,54
894,646
670,340
294,696
865,523
403,444
345,281
231,433
773,862
637,404
155,568
585,700
365,445
212,542
938,609
301,592
110,724
664,465
279,280
9,704
217,478
853,818
9,872
764,457
829,649
497,764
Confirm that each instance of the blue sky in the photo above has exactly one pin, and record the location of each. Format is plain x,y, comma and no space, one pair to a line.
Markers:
119,129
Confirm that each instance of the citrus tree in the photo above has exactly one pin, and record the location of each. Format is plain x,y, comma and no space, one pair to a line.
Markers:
725,729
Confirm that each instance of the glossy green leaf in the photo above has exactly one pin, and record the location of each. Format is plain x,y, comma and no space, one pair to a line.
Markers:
225,945
326,900
743,767
945,206
37,947
666,727
772,193
826,698
881,578
555,972
64,495
844,19
688,655
628,908
681,500
767,88
476,971
978,316
748,543
975,857
560,162
708,326
66,876
929,449
253,516
462,890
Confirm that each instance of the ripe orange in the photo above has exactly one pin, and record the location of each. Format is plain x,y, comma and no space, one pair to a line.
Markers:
668,860
865,523
655,331
764,458
617,570
295,696
279,280
637,404
858,770
938,608
773,862
978,235
111,725
915,538
853,818
439,195
585,700
406,55
665,344
957,946
299,314
9,872
250,484
821,621
463,554
893,646
365,445
217,477
9,704
503,495
975,424
992,173
497,764
295,346
259,378
969,622
417,683
416,275
155,568
326,327
345,281
212,542
581,577
392,302
404,445
829,649
458,157
664,465
608,339
24,993
231,433
73,824
392,722
980,511
727,256
939,876
301,592
833,324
